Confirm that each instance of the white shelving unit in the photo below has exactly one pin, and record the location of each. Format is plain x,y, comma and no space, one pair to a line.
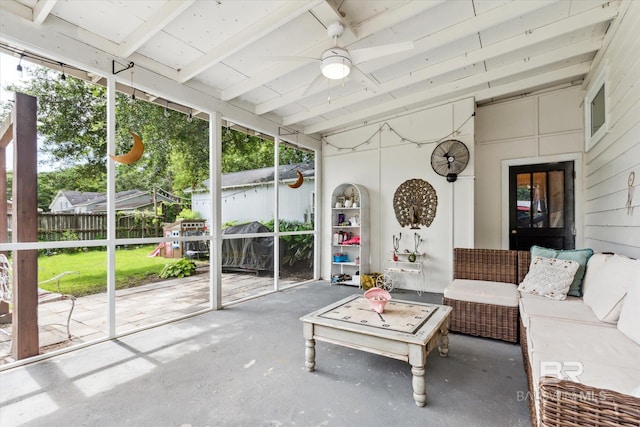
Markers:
349,259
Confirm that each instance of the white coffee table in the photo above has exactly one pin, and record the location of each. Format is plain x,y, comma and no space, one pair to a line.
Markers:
406,330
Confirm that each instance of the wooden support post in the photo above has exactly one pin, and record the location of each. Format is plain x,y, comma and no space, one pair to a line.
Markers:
25,228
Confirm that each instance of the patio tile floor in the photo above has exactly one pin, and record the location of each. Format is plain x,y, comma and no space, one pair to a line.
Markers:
135,307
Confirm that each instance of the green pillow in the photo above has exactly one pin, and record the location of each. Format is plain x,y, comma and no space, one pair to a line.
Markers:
581,256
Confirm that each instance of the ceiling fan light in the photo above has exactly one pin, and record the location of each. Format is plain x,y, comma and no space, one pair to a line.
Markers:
336,64
335,70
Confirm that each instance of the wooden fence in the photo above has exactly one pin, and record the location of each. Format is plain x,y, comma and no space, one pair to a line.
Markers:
91,226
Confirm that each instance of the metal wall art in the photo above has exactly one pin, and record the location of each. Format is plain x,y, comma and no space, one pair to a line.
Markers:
415,202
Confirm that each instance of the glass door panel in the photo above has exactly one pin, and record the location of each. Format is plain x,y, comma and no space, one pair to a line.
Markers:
556,199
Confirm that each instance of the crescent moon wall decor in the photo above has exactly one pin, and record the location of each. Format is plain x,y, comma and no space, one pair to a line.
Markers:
134,154
299,182
415,202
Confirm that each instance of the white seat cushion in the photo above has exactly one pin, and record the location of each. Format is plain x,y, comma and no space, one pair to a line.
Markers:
595,374
484,292
573,309
575,341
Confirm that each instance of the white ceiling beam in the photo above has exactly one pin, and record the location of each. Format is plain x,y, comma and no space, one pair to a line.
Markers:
393,14
378,23
466,83
244,38
273,72
586,19
160,19
489,19
334,15
17,9
399,14
92,39
544,79
47,41
508,12
42,9
94,78
73,32
432,41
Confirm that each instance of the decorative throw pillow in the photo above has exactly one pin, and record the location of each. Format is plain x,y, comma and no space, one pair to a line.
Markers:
629,322
581,256
609,285
549,277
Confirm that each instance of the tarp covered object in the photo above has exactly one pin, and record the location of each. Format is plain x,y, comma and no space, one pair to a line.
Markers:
247,253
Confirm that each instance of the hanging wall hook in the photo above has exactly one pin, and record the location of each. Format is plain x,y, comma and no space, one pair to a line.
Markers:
126,67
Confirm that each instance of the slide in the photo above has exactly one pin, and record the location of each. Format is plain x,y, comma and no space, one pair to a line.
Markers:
156,251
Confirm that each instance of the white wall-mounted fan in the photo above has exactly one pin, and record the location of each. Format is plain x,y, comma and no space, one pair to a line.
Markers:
337,63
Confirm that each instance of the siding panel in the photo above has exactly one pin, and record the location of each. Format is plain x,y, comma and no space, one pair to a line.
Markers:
608,225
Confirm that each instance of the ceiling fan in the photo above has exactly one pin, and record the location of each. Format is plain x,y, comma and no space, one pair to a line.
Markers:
338,63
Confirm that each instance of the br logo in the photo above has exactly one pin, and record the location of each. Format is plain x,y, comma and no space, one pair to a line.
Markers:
567,370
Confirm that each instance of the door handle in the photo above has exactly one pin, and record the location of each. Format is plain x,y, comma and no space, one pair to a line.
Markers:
514,231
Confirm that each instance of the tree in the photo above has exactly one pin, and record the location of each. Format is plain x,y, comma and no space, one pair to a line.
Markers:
72,126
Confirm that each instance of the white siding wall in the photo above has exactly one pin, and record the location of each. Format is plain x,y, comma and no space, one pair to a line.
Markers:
550,127
538,129
59,204
382,165
256,203
617,154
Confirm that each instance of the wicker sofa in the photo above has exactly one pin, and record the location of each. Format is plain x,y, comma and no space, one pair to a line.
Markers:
562,335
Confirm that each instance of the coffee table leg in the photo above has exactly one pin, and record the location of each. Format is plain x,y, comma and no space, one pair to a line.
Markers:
419,385
310,355
443,345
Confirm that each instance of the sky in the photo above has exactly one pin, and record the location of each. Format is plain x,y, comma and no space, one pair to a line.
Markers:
9,74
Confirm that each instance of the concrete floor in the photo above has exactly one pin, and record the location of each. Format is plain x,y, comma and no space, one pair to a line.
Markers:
244,366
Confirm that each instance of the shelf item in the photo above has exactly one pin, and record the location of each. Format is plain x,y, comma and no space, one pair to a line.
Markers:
349,233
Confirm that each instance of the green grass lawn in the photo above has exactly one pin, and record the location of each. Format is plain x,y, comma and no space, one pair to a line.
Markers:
133,267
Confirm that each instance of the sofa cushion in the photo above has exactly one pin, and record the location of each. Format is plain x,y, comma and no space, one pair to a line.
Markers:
583,341
581,256
549,277
573,309
594,373
595,263
629,322
608,286
484,292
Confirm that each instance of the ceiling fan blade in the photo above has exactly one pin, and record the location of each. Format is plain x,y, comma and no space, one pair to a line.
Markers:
290,58
363,79
315,85
359,56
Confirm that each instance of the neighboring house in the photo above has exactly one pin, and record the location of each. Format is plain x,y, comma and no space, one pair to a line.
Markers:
248,195
67,201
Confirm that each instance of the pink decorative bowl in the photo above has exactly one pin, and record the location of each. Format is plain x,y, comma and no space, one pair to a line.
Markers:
378,298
